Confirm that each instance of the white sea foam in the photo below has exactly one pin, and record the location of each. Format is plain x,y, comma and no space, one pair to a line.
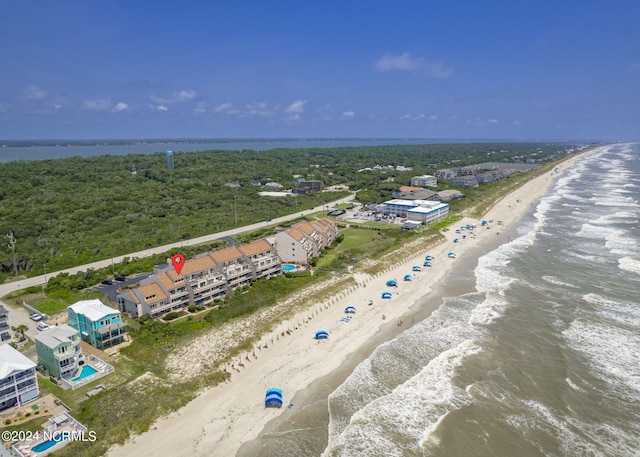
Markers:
616,218
629,264
596,232
620,243
612,354
558,282
615,311
401,422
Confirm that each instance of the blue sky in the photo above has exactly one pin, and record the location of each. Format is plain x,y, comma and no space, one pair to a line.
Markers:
257,69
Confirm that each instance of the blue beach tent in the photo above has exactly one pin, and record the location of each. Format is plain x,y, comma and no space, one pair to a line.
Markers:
386,294
426,263
392,283
416,268
322,335
350,309
407,277
273,398
455,240
451,254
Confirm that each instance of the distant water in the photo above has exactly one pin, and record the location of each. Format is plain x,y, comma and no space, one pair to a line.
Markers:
56,150
542,359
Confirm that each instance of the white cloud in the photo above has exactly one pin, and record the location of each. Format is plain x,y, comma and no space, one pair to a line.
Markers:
200,107
120,106
177,97
256,108
161,108
348,114
223,107
433,117
406,116
101,104
492,121
296,107
404,62
33,92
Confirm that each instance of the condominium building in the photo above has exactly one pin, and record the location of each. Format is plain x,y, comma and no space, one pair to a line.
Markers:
59,350
304,240
5,328
202,279
18,383
424,181
98,324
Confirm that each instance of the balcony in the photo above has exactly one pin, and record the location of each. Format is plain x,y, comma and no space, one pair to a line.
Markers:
110,328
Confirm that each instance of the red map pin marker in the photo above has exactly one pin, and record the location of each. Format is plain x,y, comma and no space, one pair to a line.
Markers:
178,262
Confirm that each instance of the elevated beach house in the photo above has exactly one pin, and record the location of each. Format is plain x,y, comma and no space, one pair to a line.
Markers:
18,384
98,324
59,350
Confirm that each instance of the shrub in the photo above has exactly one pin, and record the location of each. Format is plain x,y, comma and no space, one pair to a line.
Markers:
171,316
7,422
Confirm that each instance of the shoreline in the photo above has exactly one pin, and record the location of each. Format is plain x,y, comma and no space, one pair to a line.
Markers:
224,417
320,389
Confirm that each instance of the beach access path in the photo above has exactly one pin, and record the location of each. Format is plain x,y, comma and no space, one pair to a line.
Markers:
224,417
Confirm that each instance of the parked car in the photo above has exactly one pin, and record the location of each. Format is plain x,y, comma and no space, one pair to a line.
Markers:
35,317
107,282
120,278
42,326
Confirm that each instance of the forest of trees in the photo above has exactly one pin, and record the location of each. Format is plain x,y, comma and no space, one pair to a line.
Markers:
65,212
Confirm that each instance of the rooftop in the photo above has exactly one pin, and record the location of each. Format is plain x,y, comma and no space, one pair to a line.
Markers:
93,309
13,360
55,336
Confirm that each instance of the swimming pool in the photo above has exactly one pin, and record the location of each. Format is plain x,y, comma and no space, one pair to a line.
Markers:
46,445
288,268
87,370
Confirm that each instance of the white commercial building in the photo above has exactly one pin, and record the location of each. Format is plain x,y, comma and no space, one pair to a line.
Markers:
425,211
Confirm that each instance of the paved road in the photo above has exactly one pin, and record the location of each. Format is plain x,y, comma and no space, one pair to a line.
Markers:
23,318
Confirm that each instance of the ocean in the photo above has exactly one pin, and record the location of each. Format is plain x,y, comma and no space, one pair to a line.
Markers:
538,355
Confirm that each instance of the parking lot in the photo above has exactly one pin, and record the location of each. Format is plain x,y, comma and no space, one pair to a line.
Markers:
111,290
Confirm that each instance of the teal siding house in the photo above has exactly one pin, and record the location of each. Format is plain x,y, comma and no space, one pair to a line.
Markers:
98,324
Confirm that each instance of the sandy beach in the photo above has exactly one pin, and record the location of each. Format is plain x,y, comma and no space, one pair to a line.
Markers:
221,419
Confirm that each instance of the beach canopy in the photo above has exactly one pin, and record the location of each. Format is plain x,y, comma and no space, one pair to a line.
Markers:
428,257
416,268
407,277
386,294
350,309
426,263
392,283
451,254
455,240
322,335
273,398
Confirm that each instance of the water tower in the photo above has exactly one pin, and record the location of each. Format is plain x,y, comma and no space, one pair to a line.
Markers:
170,160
